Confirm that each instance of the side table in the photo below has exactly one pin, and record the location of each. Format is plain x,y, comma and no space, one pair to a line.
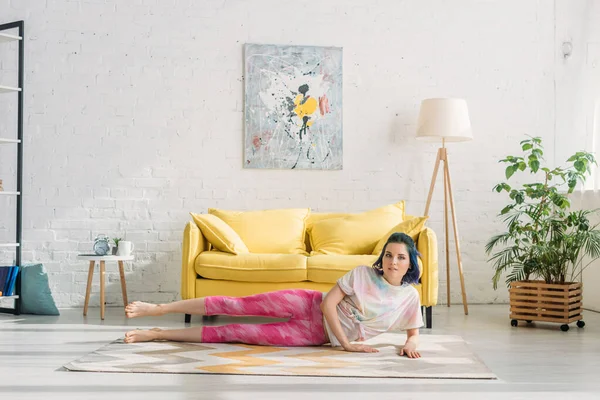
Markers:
102,260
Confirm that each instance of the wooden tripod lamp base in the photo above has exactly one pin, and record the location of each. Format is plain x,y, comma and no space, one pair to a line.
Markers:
442,156
446,120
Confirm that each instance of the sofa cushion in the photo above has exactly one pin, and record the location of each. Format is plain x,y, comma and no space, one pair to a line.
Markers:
314,217
251,267
269,231
219,234
412,227
356,233
329,268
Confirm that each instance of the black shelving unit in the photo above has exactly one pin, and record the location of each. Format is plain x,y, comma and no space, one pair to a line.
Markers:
14,31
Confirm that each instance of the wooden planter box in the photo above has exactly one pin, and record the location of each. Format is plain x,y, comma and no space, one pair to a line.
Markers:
541,301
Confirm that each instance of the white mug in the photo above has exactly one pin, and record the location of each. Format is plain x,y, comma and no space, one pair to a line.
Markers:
125,248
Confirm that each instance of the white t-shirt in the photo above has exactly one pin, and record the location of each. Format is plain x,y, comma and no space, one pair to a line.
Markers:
373,306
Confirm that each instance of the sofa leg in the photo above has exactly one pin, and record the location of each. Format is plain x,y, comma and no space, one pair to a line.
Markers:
428,315
188,318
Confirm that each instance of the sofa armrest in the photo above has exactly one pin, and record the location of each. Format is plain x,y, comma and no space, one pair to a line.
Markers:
193,244
427,246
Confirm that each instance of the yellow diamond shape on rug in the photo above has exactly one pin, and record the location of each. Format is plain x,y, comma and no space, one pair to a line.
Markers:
322,362
245,357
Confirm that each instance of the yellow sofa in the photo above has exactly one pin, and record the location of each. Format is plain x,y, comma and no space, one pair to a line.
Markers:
207,271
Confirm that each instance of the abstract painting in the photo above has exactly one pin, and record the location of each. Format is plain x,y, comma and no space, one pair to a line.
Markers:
293,107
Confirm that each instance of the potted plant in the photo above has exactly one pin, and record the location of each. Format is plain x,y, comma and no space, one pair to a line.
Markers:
543,250
116,246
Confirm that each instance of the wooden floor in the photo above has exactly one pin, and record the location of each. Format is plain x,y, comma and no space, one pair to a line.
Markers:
533,362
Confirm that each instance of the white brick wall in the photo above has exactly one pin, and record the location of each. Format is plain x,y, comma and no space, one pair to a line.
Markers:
134,118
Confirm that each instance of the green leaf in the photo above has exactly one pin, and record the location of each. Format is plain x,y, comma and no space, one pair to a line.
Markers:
506,209
579,166
510,170
522,166
510,159
557,200
520,198
500,187
527,146
537,152
534,165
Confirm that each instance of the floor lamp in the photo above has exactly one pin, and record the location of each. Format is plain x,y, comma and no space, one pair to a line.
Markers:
445,120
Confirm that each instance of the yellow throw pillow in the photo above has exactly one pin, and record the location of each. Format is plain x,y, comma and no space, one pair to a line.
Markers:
269,231
219,234
411,227
354,233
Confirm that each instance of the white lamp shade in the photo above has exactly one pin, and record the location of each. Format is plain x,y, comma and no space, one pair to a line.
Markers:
446,119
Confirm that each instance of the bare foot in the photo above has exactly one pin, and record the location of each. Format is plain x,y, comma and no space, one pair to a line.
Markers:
142,335
141,309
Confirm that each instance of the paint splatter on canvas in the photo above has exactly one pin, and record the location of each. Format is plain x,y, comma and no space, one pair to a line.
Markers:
293,107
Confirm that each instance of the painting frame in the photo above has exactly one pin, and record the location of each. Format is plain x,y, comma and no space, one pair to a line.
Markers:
293,107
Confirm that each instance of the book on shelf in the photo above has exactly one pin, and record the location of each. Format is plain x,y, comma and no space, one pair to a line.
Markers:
8,278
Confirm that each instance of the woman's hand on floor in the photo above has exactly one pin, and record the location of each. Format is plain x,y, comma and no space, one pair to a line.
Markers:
360,348
410,350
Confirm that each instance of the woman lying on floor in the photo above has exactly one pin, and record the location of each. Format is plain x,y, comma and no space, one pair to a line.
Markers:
366,302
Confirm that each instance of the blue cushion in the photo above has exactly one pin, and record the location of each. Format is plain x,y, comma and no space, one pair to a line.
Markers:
36,297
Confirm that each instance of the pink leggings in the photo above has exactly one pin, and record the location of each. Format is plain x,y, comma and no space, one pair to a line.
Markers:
302,307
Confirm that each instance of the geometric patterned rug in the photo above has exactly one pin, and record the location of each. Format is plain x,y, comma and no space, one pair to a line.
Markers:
442,357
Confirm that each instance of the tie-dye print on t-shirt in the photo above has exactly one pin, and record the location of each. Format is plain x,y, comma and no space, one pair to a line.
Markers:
373,306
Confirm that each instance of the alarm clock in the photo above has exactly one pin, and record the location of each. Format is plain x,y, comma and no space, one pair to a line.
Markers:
101,245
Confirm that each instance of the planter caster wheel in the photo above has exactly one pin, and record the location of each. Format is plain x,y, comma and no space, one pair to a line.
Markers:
564,327
514,322
580,324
